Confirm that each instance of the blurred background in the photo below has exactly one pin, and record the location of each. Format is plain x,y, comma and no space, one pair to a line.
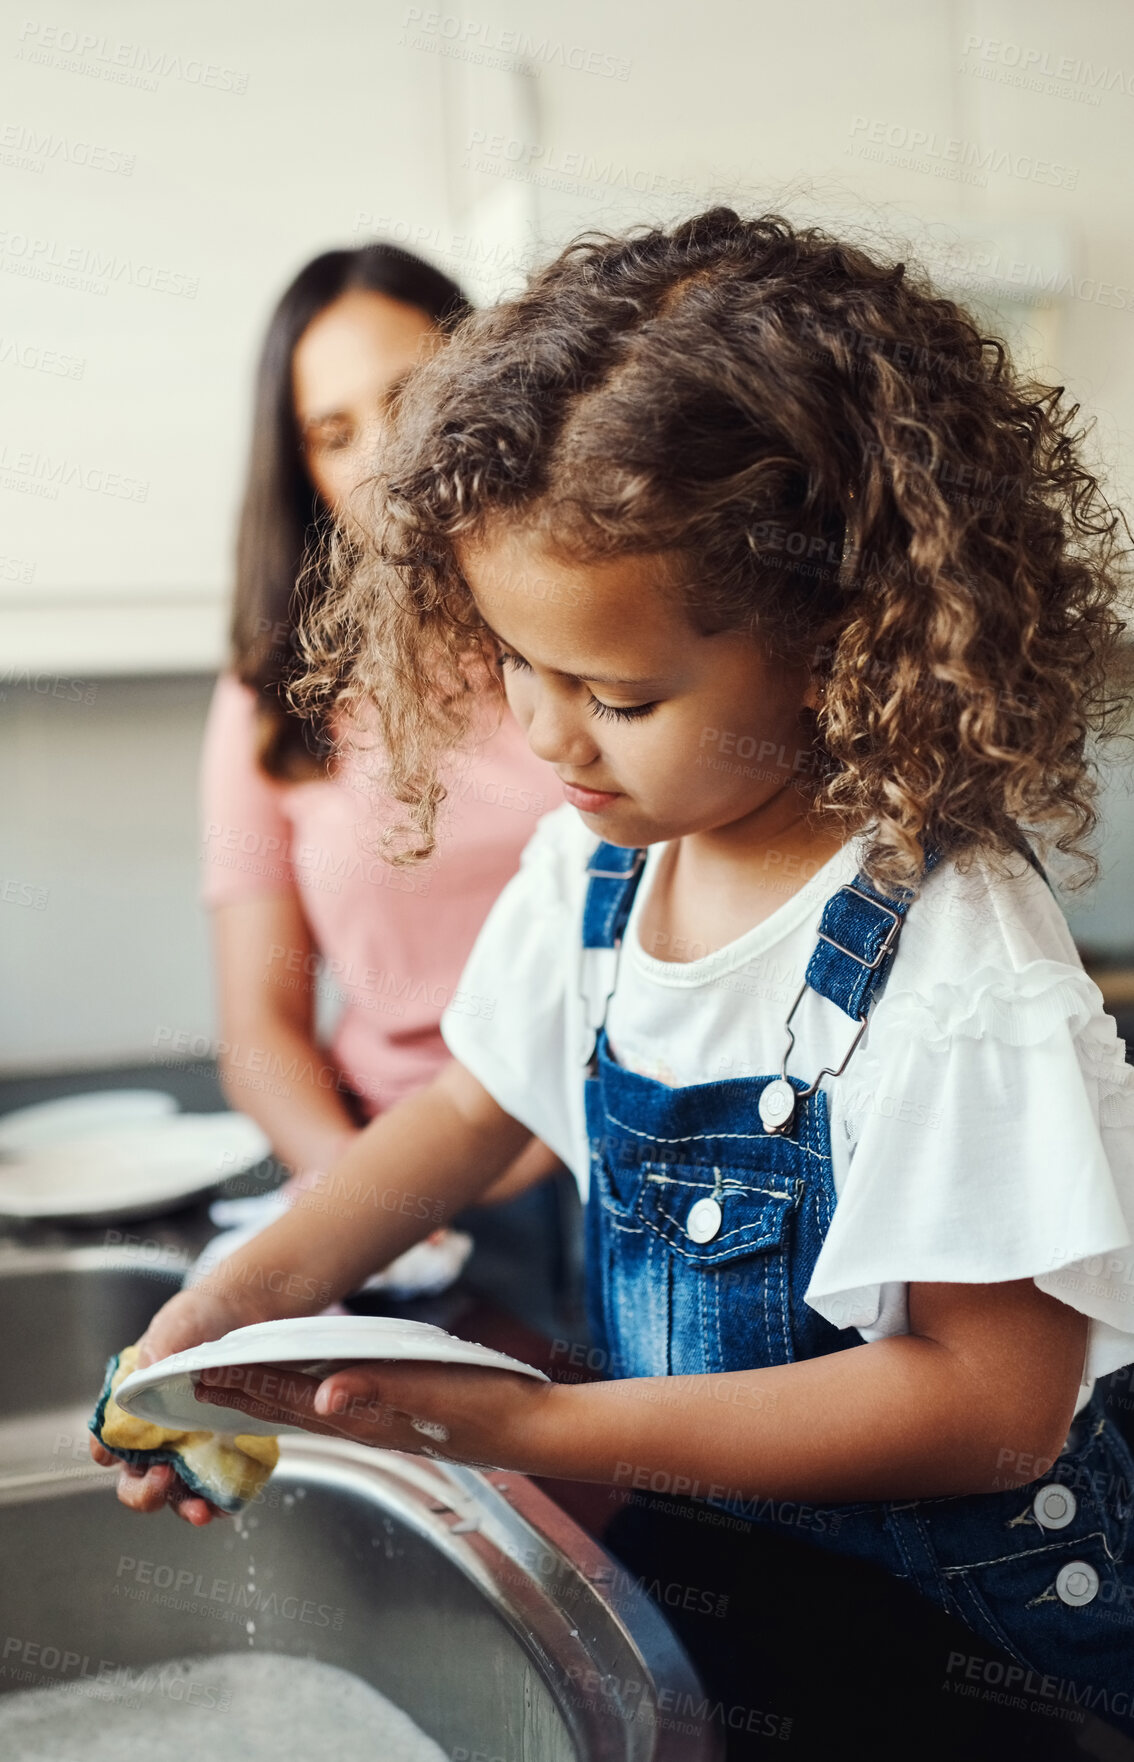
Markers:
166,170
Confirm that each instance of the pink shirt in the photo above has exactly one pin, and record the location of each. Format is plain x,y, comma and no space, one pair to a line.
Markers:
393,941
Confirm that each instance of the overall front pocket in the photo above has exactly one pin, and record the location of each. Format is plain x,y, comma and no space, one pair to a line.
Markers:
715,1250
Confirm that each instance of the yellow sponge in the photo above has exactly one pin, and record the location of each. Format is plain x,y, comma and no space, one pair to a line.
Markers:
225,1469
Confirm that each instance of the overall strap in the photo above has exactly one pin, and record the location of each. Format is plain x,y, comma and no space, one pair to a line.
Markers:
614,872
613,876
858,936
1022,844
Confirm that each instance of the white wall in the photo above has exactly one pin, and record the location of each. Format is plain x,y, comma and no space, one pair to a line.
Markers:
995,135
103,943
146,232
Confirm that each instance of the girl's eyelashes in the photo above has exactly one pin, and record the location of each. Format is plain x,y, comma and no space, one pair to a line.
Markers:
596,707
618,712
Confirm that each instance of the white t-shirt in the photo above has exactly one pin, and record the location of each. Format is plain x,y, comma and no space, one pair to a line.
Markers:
983,1129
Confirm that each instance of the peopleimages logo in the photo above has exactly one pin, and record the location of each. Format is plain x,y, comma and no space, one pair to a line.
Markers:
486,44
123,63
140,1578
950,156
565,168
31,1662
87,267
25,148
1033,64
34,359
40,474
1016,1685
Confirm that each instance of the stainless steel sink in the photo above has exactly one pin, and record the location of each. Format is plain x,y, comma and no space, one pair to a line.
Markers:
63,1312
469,1599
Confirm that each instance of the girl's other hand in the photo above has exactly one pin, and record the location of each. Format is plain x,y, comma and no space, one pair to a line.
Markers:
186,1320
473,1414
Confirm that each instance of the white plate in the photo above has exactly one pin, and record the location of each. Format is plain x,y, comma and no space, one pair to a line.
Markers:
130,1171
51,1122
163,1392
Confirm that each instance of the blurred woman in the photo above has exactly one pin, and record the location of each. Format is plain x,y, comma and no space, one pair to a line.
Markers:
292,875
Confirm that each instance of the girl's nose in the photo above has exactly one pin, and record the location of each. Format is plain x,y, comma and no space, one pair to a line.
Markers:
558,730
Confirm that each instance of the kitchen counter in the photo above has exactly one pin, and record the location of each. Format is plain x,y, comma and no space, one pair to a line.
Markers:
527,1251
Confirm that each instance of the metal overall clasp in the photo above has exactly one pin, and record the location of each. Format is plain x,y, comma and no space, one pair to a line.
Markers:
779,1099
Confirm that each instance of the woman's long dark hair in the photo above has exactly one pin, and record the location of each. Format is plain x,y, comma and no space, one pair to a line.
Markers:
281,516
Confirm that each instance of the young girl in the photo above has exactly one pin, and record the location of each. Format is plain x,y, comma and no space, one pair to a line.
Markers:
810,603
290,873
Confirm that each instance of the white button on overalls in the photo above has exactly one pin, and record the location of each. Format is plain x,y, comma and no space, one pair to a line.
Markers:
1077,1583
704,1220
776,1104
1054,1506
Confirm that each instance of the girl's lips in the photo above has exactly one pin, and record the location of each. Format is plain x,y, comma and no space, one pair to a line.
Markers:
591,801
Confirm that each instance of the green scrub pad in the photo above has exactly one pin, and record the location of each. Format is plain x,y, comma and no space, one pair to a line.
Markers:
227,1470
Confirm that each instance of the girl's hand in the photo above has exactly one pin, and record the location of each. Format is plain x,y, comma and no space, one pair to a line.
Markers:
486,1418
186,1320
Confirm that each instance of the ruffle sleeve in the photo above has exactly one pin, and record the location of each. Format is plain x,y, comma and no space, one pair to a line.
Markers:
993,1131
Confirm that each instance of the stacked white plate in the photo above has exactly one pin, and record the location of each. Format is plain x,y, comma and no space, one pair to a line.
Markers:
117,1154
163,1393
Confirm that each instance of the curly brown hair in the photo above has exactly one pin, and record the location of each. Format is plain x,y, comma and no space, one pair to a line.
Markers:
841,464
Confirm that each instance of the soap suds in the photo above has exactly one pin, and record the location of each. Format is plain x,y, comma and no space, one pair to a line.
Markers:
257,1706
432,1429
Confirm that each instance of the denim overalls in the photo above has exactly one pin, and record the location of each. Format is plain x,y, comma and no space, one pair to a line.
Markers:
707,1208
